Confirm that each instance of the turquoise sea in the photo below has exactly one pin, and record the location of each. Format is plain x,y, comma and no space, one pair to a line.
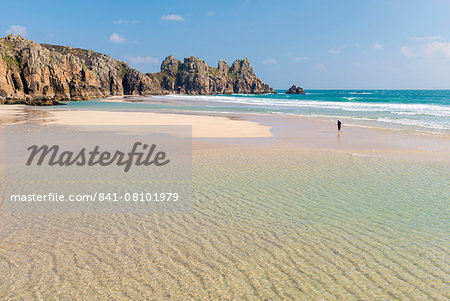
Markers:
422,110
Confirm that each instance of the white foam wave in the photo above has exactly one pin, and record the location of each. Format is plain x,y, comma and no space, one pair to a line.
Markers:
395,108
430,116
418,123
404,113
407,122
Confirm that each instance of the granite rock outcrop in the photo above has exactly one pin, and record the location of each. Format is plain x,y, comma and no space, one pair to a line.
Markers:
43,74
295,90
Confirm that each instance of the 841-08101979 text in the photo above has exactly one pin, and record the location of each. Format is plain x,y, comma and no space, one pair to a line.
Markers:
98,197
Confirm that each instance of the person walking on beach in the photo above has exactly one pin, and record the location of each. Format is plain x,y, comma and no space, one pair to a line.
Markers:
339,124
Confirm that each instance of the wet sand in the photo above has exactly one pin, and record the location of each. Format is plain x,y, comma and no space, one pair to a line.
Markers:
275,131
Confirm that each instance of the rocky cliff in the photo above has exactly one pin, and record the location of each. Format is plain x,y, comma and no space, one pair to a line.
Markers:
194,76
41,74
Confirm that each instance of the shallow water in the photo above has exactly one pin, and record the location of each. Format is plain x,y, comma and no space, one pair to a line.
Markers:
414,109
421,110
267,223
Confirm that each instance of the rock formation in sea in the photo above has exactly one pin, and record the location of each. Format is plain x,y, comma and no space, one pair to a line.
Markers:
295,90
194,76
43,74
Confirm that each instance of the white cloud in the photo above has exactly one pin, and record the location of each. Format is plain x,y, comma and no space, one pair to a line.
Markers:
407,52
17,30
336,50
210,13
437,48
116,38
320,67
299,58
137,60
172,18
270,61
426,38
377,46
120,21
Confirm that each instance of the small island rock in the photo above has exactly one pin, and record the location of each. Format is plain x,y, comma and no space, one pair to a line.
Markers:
295,90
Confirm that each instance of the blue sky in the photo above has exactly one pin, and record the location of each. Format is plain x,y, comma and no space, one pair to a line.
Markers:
372,44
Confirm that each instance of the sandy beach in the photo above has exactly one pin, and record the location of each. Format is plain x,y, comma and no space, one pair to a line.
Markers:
225,150
268,130
284,208
202,126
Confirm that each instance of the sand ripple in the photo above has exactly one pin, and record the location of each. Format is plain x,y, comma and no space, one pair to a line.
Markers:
266,225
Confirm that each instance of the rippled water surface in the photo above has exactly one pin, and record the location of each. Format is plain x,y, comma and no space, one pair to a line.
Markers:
267,224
